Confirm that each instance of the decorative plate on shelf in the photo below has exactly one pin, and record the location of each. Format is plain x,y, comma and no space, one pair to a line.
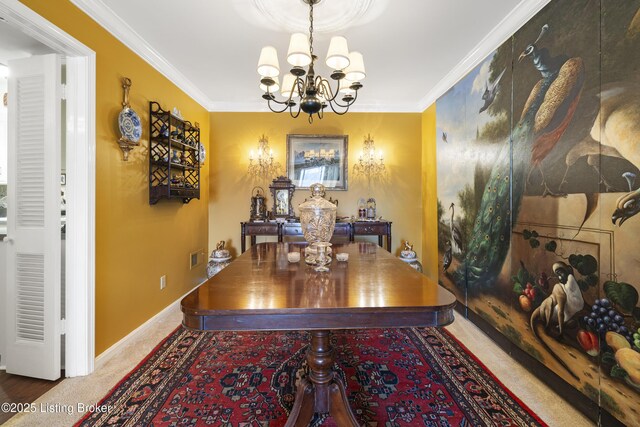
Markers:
129,124
203,153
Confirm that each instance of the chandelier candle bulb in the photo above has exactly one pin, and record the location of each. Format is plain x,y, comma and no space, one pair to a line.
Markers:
355,71
274,86
289,87
299,54
338,54
268,65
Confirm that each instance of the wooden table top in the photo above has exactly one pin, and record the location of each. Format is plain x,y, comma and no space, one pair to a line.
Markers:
261,290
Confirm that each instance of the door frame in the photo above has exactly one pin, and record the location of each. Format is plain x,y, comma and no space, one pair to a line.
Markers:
79,325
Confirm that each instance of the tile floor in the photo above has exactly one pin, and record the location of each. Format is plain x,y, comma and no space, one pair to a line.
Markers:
90,389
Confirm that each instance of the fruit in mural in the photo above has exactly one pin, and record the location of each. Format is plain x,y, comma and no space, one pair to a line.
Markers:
529,295
629,360
604,318
616,341
589,342
525,303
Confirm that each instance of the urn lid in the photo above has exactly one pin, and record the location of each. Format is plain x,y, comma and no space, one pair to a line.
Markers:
220,253
317,201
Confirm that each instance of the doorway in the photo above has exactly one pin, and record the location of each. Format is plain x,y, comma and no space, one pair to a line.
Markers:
78,325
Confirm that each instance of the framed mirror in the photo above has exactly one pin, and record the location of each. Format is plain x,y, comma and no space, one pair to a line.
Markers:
282,192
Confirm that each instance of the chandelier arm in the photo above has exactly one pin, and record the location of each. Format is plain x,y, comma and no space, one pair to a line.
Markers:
277,102
326,89
295,116
349,103
338,112
270,97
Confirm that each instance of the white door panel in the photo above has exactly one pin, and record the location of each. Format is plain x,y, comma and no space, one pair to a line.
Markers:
33,218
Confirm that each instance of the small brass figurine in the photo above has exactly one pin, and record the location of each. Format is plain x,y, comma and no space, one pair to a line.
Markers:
408,246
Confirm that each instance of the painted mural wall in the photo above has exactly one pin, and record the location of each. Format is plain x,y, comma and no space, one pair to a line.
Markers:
538,190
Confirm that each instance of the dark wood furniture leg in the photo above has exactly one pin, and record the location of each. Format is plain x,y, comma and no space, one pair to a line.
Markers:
380,240
243,234
253,239
388,237
322,392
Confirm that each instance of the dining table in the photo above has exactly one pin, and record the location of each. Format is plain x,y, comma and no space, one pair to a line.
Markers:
262,291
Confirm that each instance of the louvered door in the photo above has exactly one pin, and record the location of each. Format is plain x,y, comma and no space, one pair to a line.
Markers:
33,218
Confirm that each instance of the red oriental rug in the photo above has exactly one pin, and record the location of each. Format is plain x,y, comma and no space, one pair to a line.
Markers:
394,377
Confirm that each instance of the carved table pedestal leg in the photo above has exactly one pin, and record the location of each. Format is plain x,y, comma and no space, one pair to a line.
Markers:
322,392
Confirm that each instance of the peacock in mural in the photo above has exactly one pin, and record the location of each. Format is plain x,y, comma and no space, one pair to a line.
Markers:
545,116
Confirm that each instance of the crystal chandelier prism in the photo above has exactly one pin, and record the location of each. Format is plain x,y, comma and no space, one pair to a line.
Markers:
263,165
304,90
369,162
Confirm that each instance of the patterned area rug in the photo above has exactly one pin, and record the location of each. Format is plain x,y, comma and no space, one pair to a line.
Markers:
394,377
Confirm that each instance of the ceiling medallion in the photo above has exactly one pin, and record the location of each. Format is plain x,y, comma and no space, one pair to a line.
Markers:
331,16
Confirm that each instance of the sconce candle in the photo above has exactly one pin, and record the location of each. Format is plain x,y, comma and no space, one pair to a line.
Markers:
263,166
367,163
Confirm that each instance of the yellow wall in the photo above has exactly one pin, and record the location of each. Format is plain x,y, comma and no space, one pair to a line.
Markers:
429,194
398,195
135,243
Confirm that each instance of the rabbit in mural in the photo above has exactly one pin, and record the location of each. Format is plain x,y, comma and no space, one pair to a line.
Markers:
547,112
564,302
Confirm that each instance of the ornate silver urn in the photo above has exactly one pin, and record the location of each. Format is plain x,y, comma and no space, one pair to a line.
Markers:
317,216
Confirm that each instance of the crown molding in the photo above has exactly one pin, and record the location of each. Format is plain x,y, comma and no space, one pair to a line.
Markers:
260,106
511,23
103,15
107,18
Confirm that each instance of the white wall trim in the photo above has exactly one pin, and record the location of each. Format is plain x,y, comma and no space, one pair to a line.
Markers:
140,330
80,231
511,23
259,106
81,134
103,15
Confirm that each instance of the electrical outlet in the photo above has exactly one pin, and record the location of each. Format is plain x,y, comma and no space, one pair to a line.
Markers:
163,282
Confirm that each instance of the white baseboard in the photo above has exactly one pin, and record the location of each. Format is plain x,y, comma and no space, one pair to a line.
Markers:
139,330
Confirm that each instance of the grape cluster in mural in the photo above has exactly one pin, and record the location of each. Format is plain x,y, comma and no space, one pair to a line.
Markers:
538,194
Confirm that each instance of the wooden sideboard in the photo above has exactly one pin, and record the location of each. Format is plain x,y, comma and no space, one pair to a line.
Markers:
346,230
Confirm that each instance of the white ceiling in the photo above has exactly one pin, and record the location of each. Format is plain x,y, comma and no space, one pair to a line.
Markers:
412,48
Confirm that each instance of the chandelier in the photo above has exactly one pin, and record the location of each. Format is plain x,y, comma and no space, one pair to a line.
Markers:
263,165
304,90
368,163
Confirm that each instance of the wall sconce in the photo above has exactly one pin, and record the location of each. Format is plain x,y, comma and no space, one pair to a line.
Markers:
262,165
369,162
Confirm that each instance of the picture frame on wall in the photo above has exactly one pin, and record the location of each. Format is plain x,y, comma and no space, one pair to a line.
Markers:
318,159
